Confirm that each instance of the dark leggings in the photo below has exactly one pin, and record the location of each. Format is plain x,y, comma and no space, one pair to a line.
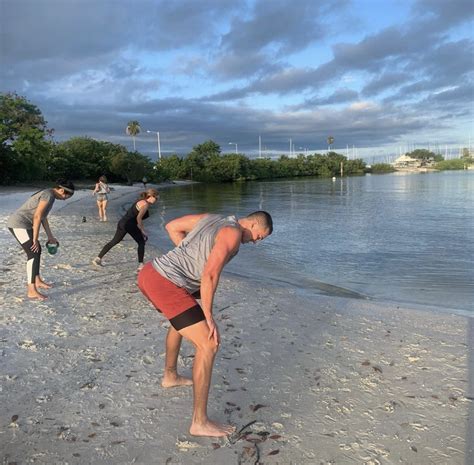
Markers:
122,230
25,238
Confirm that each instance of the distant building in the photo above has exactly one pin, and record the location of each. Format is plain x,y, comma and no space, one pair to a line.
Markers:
406,162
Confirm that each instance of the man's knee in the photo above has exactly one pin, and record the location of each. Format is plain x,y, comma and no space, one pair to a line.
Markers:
208,347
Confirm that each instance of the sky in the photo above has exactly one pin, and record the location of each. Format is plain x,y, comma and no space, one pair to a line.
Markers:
377,75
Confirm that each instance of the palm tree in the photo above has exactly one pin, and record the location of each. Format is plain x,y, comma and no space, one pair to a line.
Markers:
330,142
133,129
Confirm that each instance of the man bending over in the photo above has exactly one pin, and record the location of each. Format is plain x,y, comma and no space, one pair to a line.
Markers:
172,282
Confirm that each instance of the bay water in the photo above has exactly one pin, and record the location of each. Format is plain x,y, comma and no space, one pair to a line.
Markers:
404,238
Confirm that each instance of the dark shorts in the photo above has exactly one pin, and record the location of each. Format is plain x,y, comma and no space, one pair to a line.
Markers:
176,303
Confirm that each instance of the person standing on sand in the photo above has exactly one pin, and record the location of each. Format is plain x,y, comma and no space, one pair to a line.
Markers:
132,223
204,244
25,224
101,190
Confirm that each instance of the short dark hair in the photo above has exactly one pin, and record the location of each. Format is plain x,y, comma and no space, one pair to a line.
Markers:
263,218
65,184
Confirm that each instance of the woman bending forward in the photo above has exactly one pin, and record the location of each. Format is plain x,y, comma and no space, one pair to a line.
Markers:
132,223
25,224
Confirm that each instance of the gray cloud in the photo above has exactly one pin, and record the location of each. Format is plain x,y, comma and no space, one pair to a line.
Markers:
271,31
237,66
385,81
183,123
80,62
287,29
339,96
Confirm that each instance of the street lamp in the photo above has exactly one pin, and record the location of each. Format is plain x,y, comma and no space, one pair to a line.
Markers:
233,143
158,139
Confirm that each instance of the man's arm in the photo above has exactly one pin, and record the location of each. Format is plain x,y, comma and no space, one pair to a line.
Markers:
179,228
226,244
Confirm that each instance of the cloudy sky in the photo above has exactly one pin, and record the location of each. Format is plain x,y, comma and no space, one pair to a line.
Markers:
371,73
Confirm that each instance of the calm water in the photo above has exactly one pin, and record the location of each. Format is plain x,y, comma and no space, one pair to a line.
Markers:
404,238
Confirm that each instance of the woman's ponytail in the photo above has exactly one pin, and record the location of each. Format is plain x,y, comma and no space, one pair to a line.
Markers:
148,193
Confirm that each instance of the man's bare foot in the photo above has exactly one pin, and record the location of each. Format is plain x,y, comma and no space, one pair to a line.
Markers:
42,285
36,295
209,428
174,381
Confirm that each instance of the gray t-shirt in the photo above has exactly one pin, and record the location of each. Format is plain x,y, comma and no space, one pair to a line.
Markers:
23,217
184,264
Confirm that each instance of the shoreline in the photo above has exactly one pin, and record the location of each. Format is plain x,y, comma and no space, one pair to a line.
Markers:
327,379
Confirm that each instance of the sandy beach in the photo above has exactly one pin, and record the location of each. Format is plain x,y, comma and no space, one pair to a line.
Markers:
321,380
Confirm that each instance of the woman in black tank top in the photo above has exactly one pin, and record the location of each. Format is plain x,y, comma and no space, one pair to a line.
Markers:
132,223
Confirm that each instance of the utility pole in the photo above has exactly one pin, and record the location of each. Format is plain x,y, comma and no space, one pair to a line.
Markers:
259,146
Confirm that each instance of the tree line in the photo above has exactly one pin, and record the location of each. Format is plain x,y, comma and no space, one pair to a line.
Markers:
29,153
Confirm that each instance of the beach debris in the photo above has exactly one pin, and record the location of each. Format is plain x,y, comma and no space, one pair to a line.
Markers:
62,266
274,452
365,363
215,445
184,446
88,385
257,458
256,407
414,448
58,331
13,423
377,368
277,425
116,443
233,438
28,344
275,437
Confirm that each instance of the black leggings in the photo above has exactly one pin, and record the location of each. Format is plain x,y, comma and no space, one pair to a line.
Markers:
122,230
25,238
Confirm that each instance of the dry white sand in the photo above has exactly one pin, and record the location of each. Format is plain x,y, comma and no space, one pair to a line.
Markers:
326,380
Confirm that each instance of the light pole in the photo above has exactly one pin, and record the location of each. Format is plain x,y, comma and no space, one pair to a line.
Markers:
158,140
236,150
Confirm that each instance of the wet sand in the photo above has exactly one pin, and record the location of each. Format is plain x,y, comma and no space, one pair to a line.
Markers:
322,380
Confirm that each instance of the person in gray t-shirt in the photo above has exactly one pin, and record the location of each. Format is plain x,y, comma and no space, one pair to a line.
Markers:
25,224
204,244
